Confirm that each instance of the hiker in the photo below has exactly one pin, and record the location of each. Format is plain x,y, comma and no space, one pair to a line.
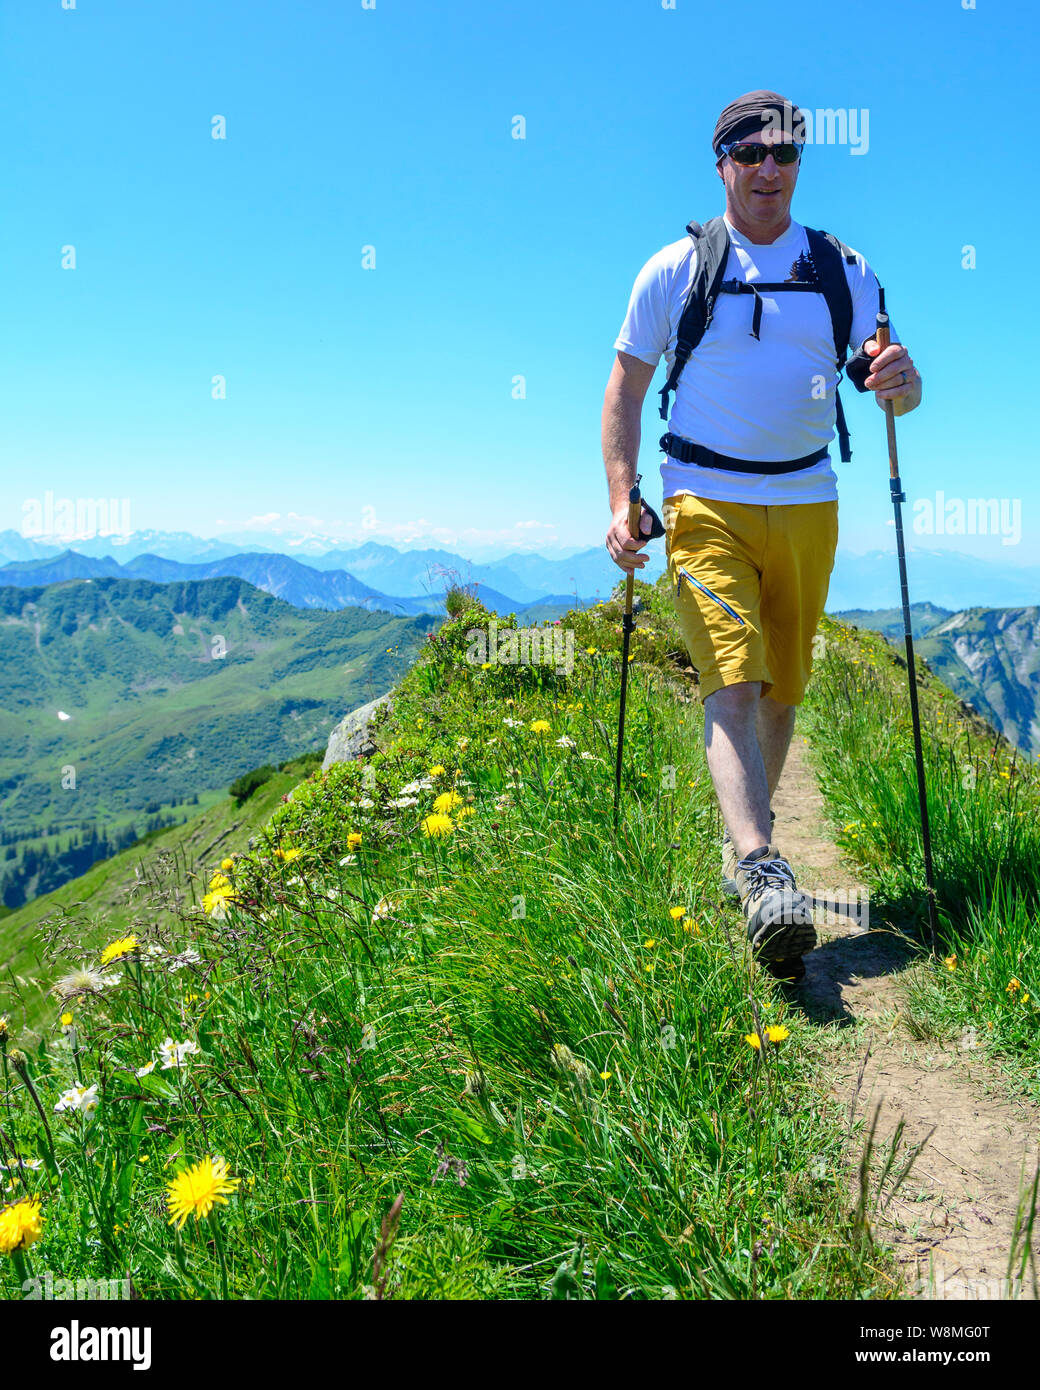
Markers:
750,512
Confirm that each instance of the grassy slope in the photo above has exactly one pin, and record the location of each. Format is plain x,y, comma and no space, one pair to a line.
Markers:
107,900
132,664
532,1028
508,1026
984,813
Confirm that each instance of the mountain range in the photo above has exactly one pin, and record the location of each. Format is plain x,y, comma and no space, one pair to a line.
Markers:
123,698
948,578
309,585
990,657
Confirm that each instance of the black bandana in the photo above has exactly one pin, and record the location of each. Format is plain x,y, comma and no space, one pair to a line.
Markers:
758,111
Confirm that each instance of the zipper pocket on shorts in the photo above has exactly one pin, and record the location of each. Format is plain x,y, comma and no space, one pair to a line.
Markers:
705,590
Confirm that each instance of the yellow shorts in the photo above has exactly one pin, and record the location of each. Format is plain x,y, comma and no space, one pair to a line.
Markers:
749,584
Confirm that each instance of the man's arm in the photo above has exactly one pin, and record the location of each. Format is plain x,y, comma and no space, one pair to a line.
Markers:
621,428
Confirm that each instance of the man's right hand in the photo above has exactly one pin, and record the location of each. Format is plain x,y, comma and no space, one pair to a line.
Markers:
623,547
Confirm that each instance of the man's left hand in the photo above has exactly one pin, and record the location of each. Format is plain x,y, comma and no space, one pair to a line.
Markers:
893,376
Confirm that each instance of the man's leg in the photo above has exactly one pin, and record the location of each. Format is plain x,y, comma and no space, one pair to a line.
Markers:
775,727
735,762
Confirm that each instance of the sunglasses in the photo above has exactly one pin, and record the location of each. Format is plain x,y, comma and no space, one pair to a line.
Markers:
752,155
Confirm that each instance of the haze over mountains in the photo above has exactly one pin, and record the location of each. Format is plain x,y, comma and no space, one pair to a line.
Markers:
374,574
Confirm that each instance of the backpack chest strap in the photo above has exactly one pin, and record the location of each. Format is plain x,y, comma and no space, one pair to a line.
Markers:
756,287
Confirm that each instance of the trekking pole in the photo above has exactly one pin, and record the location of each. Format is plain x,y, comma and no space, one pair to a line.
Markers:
635,511
883,337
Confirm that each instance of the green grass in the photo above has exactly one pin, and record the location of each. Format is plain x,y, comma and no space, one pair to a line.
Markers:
984,815
530,1030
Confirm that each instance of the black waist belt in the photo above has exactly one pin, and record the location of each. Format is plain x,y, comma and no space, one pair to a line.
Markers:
686,452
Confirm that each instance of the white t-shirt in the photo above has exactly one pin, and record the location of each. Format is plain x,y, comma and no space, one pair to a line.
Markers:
769,399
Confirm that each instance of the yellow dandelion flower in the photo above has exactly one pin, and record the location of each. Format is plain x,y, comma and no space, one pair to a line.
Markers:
219,881
650,941
485,665
354,839
776,1033
195,1191
447,801
676,912
438,770
950,962
540,726
1025,999
753,1040
227,863
591,651
215,900
437,825
21,1225
117,949
288,855
606,1075
66,1020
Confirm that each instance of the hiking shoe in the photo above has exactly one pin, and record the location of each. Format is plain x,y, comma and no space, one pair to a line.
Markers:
779,917
729,861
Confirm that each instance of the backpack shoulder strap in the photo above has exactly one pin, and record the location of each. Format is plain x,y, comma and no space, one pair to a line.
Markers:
830,256
711,247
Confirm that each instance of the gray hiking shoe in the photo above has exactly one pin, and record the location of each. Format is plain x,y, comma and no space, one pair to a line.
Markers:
779,917
729,861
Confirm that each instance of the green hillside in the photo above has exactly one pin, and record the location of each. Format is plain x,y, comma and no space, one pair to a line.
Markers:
164,870
455,1036
122,700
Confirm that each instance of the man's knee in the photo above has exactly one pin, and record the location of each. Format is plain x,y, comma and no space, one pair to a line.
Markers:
738,702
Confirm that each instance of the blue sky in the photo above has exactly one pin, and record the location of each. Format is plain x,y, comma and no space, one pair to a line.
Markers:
378,403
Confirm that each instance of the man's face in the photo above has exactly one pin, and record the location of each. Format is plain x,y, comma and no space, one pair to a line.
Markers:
759,196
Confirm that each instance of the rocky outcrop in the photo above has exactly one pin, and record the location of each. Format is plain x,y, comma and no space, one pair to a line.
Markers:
991,657
352,736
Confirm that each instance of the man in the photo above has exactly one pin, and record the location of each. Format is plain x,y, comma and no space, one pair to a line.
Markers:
751,524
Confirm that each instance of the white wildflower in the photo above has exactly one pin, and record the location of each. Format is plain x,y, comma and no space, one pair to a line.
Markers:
81,1098
174,1054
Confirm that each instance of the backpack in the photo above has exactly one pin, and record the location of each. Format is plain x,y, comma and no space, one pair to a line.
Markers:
828,256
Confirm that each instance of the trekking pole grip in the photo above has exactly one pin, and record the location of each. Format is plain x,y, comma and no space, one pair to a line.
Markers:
883,336
635,513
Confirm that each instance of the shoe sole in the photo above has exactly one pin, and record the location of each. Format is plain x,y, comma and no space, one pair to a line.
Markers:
792,933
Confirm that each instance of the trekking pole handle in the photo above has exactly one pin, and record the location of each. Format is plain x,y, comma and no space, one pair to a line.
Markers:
635,509
883,337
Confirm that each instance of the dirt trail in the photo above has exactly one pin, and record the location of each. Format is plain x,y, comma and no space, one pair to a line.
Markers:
952,1224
